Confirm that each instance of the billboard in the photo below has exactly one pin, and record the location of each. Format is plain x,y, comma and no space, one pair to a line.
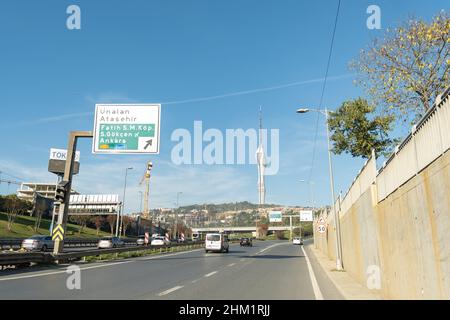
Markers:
57,161
275,216
306,215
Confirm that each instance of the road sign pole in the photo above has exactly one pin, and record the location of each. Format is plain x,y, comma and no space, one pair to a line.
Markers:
290,223
68,173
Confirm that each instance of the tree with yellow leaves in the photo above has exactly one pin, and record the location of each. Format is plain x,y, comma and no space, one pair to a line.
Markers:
406,70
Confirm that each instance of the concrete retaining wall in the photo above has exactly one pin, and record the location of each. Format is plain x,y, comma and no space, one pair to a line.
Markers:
407,235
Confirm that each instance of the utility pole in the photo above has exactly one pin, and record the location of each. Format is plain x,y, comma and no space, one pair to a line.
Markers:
339,265
176,215
119,224
325,112
146,177
68,174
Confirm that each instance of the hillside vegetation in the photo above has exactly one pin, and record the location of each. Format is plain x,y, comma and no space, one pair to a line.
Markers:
24,227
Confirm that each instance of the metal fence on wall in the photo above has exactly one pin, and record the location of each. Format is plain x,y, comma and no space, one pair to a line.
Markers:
428,140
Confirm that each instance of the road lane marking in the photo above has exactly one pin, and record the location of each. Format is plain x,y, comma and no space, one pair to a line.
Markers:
94,267
315,285
170,291
166,255
210,274
231,264
61,271
270,247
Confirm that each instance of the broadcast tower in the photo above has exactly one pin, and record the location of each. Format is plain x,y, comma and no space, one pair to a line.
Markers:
261,161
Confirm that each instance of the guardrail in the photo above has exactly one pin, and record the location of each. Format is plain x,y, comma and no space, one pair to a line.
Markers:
6,244
26,258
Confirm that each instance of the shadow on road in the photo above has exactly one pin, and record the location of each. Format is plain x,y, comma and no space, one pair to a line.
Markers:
273,256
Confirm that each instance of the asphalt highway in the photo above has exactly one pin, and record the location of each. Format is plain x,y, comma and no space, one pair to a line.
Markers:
269,270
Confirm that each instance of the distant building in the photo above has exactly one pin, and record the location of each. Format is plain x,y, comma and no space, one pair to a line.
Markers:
28,189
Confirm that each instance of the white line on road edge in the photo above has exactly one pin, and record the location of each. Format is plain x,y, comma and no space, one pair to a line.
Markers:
210,274
315,285
170,291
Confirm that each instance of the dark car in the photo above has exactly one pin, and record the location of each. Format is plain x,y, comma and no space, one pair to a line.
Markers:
246,242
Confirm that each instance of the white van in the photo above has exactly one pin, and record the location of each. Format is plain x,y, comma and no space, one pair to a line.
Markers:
216,242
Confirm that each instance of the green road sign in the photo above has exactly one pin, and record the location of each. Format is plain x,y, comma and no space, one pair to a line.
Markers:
126,128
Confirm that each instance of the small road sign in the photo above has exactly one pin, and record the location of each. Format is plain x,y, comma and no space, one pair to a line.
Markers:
126,128
57,161
58,233
61,154
321,228
147,238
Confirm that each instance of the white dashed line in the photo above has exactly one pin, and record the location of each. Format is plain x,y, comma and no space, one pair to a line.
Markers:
170,291
231,264
210,274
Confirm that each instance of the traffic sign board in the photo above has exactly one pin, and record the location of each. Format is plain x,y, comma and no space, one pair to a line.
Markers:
61,154
321,228
57,161
275,216
58,233
306,215
126,128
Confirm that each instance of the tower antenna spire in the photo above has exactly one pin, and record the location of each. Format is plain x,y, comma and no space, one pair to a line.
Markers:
261,161
260,125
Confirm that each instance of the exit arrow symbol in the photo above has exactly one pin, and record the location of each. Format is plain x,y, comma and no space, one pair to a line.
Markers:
149,143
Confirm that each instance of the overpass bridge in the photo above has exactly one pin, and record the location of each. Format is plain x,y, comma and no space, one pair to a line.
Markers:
238,229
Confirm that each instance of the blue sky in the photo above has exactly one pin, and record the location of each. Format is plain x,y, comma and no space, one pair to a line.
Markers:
167,51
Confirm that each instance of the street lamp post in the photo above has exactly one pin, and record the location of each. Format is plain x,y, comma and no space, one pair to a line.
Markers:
119,223
140,213
176,215
325,112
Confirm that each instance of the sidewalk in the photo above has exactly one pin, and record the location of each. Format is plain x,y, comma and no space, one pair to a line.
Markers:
347,286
